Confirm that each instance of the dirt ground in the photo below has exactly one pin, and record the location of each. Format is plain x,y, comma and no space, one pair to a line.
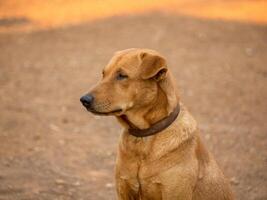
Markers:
51,148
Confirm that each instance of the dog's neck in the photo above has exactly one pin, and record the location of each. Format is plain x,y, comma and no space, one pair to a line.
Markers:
144,117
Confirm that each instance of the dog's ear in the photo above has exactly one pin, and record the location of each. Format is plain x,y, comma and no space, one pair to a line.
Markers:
152,66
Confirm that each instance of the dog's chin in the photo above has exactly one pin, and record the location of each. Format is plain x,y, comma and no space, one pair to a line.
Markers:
116,112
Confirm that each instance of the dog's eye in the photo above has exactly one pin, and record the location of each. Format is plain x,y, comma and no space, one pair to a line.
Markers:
121,76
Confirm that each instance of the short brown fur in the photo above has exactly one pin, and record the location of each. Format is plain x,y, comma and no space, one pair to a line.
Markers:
171,165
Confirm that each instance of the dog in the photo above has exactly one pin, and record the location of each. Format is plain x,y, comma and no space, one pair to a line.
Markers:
160,153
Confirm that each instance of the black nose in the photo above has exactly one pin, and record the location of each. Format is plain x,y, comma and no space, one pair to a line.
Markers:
87,100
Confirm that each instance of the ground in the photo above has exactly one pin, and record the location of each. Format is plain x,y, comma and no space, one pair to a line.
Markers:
51,148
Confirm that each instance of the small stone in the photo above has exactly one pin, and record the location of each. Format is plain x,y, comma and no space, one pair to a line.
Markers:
249,188
76,130
37,149
6,163
201,35
207,136
109,185
10,187
77,183
249,51
53,127
61,142
234,181
63,108
60,181
36,192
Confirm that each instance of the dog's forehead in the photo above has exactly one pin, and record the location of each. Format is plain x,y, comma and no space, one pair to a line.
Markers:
128,61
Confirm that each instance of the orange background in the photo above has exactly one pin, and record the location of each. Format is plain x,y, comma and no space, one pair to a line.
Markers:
53,13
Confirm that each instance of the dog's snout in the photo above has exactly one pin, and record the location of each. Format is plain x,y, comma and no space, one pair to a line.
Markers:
87,100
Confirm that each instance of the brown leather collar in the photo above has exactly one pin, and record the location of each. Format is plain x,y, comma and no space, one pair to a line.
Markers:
155,128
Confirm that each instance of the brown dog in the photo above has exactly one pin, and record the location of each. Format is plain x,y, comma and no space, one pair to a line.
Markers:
160,154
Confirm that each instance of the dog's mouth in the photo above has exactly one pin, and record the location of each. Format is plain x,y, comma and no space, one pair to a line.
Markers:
113,112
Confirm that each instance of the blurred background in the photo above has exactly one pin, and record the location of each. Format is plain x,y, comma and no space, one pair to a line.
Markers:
52,52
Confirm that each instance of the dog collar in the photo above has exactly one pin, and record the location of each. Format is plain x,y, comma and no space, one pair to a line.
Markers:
155,128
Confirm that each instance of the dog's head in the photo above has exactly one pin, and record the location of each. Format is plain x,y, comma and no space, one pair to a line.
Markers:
130,81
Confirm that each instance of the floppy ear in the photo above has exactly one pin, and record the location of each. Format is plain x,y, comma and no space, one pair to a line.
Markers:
153,66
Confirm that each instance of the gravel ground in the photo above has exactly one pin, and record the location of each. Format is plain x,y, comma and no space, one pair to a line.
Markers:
51,148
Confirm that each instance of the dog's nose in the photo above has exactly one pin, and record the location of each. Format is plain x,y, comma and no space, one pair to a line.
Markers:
87,100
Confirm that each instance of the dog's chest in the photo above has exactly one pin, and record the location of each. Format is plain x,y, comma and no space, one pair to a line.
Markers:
135,175
134,167
138,149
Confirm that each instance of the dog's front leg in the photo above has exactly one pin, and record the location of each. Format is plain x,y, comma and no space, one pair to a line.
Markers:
126,190
177,183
